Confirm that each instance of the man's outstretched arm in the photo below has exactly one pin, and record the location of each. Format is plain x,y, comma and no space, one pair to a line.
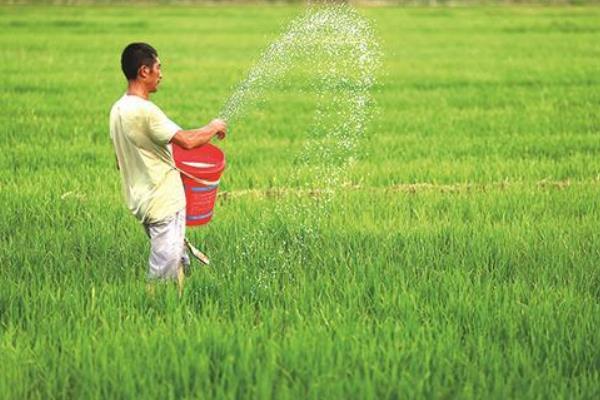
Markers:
189,139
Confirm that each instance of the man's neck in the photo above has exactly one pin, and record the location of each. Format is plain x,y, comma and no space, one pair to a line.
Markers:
135,88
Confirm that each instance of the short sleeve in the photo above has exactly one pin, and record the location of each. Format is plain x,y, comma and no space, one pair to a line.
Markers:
160,127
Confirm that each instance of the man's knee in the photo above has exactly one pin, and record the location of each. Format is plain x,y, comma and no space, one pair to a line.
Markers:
165,264
167,247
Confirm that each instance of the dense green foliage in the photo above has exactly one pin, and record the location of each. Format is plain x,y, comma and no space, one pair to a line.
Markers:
460,260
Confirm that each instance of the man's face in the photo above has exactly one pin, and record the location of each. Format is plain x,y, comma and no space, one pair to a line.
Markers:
151,75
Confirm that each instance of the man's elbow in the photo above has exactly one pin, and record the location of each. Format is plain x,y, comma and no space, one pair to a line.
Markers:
182,140
187,144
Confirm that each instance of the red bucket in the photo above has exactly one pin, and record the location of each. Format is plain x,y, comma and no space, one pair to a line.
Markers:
205,163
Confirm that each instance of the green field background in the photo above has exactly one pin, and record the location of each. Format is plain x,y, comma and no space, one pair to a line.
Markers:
459,260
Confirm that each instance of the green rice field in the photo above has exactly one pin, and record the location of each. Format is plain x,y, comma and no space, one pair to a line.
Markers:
460,258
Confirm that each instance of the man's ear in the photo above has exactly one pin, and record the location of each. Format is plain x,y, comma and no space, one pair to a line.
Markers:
143,71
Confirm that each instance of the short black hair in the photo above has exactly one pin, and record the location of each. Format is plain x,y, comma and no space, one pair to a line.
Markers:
134,56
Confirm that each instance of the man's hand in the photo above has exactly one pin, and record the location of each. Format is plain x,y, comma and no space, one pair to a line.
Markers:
220,126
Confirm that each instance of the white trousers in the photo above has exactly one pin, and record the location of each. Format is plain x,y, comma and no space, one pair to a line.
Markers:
167,248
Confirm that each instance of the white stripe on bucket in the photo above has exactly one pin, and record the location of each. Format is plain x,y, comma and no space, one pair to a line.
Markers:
198,164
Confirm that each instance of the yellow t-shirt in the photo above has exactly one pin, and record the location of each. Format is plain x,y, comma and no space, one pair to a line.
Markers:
141,133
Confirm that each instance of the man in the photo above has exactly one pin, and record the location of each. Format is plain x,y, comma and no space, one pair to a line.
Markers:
142,135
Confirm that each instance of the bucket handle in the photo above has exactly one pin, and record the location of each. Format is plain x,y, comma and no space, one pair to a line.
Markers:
198,180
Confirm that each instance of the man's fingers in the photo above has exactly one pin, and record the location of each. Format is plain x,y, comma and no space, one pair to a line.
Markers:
220,127
219,124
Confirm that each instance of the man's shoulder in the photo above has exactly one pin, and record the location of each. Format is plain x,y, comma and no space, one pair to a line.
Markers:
131,105
150,106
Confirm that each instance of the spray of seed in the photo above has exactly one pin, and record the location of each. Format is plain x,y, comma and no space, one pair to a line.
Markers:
337,54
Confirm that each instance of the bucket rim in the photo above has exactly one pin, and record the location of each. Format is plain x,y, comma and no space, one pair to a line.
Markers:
179,154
